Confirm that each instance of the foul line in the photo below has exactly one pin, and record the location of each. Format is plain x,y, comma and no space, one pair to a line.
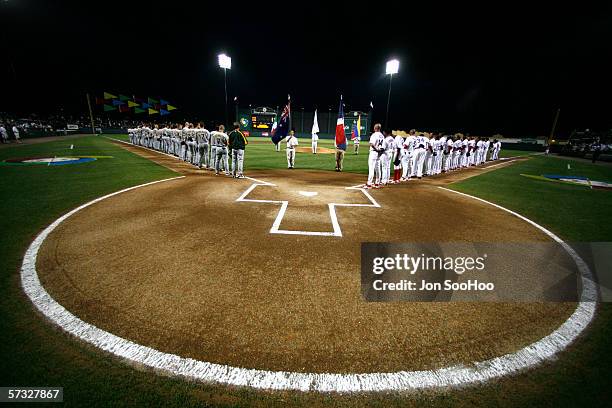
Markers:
458,375
337,232
153,150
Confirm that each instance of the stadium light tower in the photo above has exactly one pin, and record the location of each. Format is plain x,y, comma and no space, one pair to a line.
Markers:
225,62
392,68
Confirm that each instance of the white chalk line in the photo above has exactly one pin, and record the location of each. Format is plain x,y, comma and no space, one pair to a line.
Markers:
337,231
153,150
457,375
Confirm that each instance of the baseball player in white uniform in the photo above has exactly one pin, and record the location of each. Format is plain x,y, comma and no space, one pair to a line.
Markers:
387,157
292,142
398,158
315,142
487,145
458,144
130,135
418,156
441,144
496,149
429,155
16,133
448,154
408,147
376,149
472,152
464,151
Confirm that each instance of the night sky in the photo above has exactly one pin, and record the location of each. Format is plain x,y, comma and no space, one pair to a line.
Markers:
498,69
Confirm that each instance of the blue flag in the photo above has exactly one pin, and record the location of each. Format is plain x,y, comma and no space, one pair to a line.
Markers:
282,130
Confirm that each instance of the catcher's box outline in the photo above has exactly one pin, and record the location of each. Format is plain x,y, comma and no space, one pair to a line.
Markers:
529,356
337,232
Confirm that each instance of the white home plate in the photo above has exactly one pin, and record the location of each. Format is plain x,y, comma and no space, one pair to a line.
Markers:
308,193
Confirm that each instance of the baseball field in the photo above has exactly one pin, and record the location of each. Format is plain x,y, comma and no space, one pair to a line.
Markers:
242,273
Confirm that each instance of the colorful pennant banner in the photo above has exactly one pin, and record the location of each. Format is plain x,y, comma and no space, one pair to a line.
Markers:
124,104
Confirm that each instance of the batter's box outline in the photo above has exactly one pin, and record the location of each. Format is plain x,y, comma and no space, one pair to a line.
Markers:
337,232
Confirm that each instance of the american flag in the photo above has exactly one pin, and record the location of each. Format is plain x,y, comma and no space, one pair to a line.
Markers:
283,124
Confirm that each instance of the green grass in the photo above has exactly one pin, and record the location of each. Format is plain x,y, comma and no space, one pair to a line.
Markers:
576,213
36,353
260,155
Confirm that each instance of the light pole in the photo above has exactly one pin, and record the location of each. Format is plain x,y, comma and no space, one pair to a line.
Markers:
225,62
392,68
302,125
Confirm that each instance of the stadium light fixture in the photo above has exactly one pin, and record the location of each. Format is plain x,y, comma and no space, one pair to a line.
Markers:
392,68
225,62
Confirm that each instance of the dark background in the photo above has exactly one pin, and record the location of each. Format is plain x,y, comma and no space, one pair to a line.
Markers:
481,70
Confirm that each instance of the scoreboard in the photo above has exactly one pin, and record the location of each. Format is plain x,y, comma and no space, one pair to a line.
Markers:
262,121
257,121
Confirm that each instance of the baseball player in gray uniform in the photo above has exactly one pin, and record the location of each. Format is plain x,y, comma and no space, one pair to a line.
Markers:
220,140
3,133
192,146
203,139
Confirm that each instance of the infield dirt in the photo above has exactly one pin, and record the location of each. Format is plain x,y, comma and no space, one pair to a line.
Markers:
182,267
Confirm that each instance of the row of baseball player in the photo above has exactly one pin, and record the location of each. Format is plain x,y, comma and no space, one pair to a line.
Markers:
196,145
419,155
4,135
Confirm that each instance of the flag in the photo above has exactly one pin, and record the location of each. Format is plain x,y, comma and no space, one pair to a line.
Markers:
356,129
109,95
340,135
315,124
132,104
109,108
170,107
281,131
152,111
138,110
371,105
